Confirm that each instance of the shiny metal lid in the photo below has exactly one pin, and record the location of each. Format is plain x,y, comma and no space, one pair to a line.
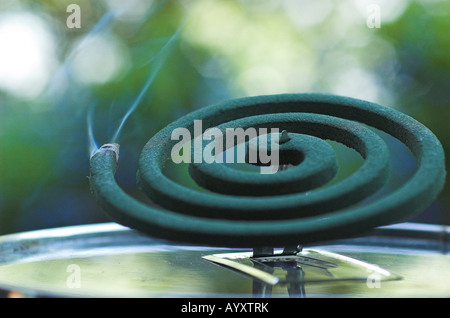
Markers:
109,260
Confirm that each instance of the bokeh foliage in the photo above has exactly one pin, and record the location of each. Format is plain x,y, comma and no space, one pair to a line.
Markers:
218,50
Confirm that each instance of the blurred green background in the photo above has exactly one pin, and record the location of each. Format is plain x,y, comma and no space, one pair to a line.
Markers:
135,66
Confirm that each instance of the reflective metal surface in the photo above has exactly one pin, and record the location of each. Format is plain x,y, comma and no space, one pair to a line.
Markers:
108,260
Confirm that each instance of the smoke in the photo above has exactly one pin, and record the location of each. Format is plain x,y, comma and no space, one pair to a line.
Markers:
155,66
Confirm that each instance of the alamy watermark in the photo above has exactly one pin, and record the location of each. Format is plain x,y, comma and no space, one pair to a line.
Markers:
74,278
373,16
262,147
373,19
374,278
73,21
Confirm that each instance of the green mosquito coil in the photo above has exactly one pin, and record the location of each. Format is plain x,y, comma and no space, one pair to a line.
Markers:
244,209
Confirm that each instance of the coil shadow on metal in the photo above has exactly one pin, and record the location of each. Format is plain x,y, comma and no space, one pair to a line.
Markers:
243,209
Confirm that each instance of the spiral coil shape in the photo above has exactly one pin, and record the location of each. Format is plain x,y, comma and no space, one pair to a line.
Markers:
242,209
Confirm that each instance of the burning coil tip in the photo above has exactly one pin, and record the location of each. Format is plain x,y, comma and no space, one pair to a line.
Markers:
109,147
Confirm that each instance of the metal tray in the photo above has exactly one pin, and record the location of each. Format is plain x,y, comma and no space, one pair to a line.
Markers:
109,260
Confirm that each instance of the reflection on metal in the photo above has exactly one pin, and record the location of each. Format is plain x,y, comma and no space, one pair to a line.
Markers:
295,270
119,262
